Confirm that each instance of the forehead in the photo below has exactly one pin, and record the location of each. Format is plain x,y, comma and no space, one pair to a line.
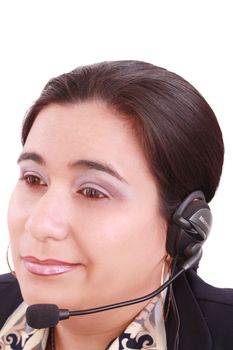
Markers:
78,120
87,130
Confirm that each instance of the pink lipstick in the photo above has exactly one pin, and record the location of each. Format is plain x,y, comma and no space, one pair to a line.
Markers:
48,267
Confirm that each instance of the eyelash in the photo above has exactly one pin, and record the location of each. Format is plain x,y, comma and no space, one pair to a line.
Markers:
92,193
88,192
30,179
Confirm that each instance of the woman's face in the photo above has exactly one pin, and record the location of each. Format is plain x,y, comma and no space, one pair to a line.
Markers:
84,218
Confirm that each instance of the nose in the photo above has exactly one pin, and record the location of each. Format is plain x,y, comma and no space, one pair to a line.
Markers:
49,217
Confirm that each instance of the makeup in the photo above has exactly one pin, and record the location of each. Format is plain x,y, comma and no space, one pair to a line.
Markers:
103,183
48,267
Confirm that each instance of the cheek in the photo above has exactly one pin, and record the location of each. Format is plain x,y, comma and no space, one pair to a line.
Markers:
119,240
16,218
126,253
12,217
20,206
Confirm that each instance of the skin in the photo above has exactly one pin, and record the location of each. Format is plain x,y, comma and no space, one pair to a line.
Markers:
115,232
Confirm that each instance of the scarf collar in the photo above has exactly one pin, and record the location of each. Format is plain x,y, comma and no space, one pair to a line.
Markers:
147,331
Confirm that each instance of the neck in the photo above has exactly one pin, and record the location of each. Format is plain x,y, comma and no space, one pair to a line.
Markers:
96,331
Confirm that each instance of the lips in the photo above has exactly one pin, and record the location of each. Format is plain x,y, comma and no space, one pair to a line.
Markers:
48,267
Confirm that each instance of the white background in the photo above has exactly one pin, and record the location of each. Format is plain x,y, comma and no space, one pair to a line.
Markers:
41,39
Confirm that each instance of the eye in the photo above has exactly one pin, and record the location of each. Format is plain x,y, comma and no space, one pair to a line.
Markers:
92,193
32,180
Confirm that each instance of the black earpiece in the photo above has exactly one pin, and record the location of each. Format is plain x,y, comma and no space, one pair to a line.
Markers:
190,226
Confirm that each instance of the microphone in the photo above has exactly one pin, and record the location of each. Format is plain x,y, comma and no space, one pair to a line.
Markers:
48,315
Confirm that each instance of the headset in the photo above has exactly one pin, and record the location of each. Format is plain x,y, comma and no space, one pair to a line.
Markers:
190,226
188,230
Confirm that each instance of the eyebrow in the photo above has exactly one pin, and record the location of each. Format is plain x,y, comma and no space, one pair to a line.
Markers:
84,163
90,164
31,156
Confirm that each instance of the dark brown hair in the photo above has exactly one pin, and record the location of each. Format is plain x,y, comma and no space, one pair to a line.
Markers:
176,127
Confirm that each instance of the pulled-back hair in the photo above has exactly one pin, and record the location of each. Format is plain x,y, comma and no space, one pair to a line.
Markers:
175,126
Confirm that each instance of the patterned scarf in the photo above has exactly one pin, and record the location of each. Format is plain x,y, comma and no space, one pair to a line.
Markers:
147,331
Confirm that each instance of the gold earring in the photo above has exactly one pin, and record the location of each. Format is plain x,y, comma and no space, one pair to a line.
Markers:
166,268
8,263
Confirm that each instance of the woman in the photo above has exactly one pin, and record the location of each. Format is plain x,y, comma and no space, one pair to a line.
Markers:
110,152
